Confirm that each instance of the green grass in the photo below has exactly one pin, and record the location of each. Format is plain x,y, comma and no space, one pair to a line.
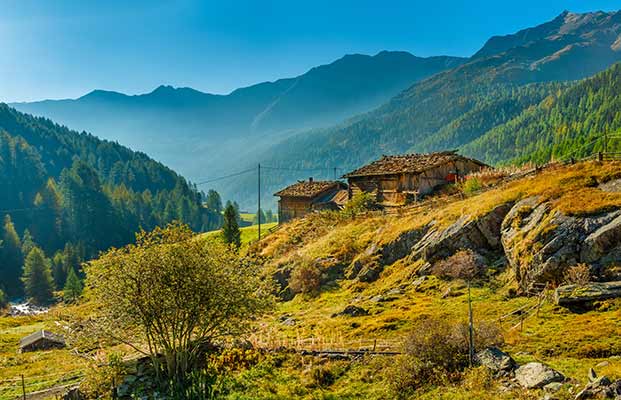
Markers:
249,234
247,217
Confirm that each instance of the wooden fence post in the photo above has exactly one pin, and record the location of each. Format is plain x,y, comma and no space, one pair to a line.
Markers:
23,387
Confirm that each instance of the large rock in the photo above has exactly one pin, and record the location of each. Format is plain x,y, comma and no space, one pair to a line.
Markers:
536,375
569,295
540,242
481,234
496,360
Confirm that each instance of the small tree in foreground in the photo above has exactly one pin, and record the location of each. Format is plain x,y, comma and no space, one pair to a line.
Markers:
170,294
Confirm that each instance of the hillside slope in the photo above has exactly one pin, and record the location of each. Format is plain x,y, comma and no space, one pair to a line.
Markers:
568,123
69,187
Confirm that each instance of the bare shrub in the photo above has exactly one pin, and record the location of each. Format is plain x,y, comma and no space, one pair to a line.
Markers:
465,264
436,352
579,274
305,278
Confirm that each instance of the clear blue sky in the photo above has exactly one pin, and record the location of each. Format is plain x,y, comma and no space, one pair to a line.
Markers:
66,48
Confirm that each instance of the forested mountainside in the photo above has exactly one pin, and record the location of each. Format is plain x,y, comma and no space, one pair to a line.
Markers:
568,123
177,125
72,192
451,109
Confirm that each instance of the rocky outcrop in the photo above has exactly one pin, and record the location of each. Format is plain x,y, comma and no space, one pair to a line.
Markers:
536,375
351,311
570,295
600,388
540,243
496,360
369,266
481,234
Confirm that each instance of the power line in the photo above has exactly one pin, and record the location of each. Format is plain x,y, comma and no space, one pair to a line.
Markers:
225,176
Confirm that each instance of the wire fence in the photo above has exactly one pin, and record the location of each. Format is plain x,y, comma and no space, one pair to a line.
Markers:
39,386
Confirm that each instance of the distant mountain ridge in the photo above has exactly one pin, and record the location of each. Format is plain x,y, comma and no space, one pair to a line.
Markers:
453,108
170,123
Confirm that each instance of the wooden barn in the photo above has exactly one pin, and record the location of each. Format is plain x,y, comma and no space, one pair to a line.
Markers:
41,340
404,178
303,197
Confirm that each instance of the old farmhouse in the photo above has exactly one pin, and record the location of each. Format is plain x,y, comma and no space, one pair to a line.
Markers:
303,197
41,340
403,178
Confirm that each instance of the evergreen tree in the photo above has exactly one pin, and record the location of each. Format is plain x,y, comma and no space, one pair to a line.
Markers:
11,259
73,287
27,242
37,277
214,201
269,216
230,228
259,217
58,269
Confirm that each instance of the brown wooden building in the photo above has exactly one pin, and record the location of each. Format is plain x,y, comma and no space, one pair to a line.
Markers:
303,197
403,178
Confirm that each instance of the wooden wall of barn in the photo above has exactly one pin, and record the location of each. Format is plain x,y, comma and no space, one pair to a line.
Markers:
293,207
401,188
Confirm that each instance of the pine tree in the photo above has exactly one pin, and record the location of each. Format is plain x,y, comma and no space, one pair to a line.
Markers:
11,259
73,287
259,217
27,242
37,277
230,227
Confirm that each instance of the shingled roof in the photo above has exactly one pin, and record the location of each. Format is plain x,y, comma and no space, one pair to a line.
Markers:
308,188
408,163
38,335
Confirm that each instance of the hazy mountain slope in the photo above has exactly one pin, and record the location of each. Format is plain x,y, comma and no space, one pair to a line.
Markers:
568,123
454,107
179,125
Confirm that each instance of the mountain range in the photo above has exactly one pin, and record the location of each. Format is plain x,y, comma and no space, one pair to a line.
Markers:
360,107
182,127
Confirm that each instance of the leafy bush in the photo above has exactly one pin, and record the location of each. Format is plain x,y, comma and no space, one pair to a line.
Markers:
305,278
435,352
359,204
472,185
579,274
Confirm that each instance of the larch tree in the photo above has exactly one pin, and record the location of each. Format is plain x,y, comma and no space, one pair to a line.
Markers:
37,277
73,286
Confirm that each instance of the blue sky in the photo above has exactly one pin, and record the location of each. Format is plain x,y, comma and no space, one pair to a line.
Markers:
66,48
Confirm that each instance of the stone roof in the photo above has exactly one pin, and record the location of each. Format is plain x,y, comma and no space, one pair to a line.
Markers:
408,163
309,188
39,335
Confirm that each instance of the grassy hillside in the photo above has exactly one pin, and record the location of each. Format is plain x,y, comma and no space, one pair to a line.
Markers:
396,303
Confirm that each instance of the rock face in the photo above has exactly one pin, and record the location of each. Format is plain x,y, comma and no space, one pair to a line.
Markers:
496,360
541,243
536,375
569,295
600,388
351,311
481,234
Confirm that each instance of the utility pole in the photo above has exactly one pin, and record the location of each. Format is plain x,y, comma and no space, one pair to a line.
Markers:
606,142
470,329
259,198
334,173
